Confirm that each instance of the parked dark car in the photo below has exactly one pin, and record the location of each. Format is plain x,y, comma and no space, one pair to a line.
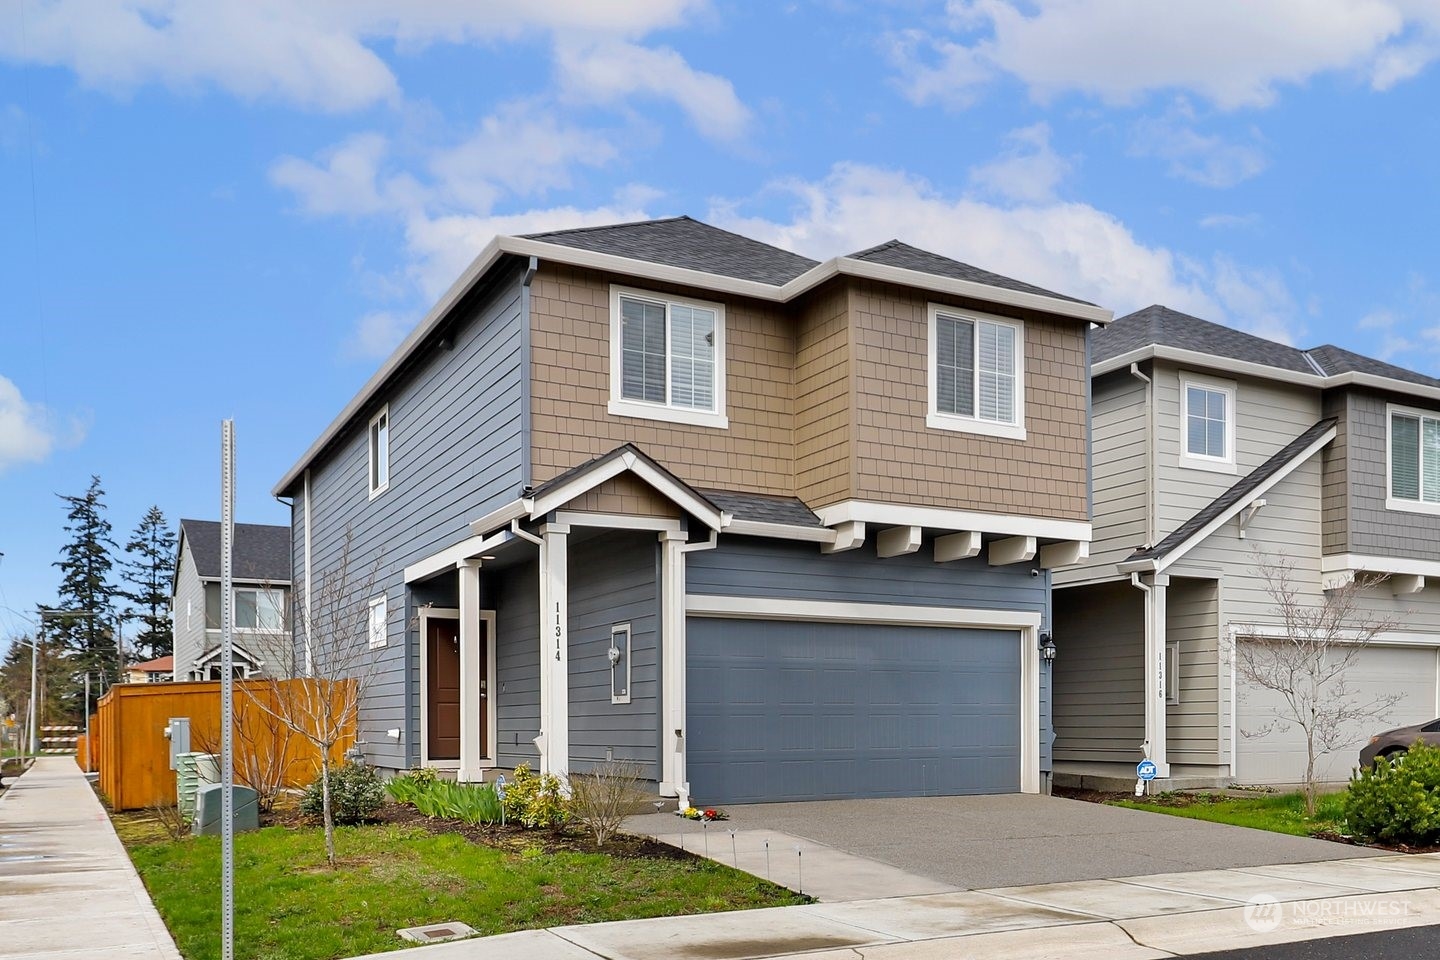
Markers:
1392,743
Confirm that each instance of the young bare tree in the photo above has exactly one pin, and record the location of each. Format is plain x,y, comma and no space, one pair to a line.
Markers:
1307,664
333,629
263,755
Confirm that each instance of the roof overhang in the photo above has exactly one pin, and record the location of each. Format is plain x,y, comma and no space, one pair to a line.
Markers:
524,247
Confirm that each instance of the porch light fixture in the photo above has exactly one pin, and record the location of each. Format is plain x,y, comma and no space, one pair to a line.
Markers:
1048,650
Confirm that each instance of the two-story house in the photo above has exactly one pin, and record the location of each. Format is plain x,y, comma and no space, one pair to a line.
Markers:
773,528
260,571
1214,450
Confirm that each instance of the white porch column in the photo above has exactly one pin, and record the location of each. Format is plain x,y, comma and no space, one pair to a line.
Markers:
1155,637
554,739
672,661
470,665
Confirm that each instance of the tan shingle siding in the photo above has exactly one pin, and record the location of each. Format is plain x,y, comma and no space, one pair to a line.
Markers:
625,494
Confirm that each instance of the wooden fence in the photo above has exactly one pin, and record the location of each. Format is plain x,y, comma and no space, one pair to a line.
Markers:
130,749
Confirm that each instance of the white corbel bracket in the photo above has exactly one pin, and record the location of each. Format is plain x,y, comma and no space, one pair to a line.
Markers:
848,535
1012,550
1248,514
897,542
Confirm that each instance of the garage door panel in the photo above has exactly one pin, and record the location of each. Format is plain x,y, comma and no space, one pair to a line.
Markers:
793,711
1278,756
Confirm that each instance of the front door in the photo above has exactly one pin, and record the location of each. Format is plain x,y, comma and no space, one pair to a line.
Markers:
442,689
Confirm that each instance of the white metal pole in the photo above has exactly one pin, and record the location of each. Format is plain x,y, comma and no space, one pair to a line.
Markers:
227,690
87,721
34,687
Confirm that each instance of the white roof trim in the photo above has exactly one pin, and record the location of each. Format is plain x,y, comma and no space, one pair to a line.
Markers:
1160,351
1340,562
573,256
1160,564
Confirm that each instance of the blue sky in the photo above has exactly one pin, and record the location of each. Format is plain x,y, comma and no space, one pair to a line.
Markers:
235,210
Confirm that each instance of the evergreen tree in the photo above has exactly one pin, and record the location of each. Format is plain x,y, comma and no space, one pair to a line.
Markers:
147,572
85,589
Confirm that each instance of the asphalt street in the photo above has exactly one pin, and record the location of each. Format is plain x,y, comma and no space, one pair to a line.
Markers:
1411,943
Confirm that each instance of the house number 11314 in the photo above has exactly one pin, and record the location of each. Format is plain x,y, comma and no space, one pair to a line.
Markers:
557,630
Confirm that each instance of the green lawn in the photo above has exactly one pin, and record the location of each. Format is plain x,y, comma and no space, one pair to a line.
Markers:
289,905
1280,813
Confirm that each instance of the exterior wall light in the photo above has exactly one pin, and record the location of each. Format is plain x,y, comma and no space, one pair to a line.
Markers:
1048,650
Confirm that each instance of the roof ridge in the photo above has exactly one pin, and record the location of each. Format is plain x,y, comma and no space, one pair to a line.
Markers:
608,226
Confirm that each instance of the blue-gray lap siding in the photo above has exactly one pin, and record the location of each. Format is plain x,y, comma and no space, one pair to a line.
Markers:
456,452
753,567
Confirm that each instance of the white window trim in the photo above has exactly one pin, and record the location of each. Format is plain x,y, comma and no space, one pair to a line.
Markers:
1195,461
621,630
378,604
258,589
1172,672
937,420
1391,501
382,413
621,406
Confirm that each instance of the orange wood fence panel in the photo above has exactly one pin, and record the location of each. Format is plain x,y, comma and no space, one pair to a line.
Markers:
133,755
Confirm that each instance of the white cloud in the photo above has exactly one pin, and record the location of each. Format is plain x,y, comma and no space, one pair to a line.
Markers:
376,335
1028,171
1208,160
28,432
1233,53
608,70
1229,221
315,54
346,181
1071,248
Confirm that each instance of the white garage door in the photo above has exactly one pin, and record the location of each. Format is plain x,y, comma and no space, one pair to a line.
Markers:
1279,756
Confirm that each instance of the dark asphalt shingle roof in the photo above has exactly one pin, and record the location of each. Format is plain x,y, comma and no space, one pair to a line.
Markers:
1161,325
262,550
1333,360
687,243
1238,493
762,508
894,253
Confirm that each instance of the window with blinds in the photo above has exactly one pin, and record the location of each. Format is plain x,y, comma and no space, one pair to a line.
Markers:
668,352
1414,457
976,371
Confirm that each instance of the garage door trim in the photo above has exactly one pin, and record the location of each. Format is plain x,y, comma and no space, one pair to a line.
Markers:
1025,622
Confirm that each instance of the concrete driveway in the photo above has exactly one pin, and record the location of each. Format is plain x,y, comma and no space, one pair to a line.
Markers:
968,843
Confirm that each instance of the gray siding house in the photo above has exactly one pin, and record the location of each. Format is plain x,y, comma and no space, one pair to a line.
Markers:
774,529
1213,448
261,575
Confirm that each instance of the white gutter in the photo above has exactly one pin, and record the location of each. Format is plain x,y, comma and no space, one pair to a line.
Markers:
571,256
1152,496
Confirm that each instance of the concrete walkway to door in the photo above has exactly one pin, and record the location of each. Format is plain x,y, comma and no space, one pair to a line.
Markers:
853,849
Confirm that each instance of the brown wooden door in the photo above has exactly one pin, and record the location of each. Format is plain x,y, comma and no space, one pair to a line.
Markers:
442,689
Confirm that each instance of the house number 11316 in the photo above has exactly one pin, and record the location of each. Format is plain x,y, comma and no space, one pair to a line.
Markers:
557,630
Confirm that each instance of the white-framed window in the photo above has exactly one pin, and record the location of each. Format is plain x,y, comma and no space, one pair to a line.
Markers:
1412,459
377,622
667,358
1172,671
976,373
619,654
1207,424
257,608
380,452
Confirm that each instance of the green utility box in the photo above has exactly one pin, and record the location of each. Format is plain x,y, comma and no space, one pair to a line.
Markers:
207,810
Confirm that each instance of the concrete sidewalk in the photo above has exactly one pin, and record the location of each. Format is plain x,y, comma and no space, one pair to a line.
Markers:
67,888
1136,918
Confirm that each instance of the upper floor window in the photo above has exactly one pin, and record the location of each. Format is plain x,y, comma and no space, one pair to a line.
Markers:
977,380
380,451
1207,424
256,608
667,358
1414,460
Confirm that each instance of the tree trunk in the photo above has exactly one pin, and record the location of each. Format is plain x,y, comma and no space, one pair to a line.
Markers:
325,805
1310,775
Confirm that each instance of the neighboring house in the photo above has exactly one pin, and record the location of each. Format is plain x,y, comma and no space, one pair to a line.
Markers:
260,571
774,529
159,670
1210,445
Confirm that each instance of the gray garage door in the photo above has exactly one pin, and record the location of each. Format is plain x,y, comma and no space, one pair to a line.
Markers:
811,711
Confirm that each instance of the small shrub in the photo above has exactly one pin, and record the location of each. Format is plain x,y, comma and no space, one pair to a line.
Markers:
356,792
406,787
472,803
607,796
1398,801
535,800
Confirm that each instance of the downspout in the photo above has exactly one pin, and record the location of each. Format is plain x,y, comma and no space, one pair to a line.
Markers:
526,433
1151,496
1144,587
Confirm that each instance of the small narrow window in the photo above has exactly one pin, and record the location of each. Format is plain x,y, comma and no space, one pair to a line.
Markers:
619,654
380,452
1207,424
378,625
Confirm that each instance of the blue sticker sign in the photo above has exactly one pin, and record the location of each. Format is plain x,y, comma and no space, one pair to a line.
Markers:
1146,769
